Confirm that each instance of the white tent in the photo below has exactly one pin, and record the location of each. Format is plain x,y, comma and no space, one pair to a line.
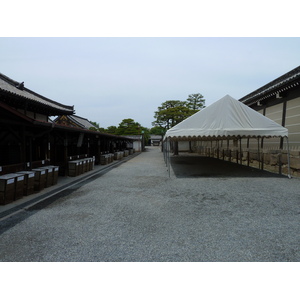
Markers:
226,118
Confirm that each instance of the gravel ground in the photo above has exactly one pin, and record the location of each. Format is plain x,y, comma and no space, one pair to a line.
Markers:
135,212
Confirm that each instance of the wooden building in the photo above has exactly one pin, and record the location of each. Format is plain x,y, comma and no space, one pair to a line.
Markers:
155,140
74,121
279,100
28,137
25,129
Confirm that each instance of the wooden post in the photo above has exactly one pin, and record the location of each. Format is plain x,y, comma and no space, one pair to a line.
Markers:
30,153
23,147
66,154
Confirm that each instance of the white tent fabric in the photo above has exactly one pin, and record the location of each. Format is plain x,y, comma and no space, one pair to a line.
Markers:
226,118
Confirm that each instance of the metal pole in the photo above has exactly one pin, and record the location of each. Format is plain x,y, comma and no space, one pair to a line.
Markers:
165,151
169,160
288,157
258,153
241,159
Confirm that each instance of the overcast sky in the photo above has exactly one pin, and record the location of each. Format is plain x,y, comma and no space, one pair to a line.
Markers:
133,55
110,79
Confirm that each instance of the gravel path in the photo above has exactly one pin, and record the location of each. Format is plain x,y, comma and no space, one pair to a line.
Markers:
137,213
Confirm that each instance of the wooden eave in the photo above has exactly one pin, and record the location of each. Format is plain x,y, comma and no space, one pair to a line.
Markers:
275,88
16,95
26,104
21,119
15,113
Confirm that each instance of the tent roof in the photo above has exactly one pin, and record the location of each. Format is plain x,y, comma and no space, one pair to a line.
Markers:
224,119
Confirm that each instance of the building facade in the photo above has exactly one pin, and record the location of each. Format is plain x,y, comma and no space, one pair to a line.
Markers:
279,100
29,138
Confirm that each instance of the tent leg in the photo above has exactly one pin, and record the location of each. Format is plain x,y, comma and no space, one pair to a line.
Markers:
262,153
248,152
258,153
241,156
168,147
288,158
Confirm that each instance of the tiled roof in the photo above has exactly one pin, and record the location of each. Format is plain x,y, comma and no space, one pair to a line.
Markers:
82,122
279,85
15,88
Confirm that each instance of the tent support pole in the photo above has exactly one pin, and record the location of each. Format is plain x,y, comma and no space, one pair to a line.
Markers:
262,153
258,153
241,158
166,151
169,159
288,157
248,152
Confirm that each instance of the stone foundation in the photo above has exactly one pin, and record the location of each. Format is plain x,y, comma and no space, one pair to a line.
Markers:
273,160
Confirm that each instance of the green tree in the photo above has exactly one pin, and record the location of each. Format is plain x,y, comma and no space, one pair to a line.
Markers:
111,130
101,129
170,113
157,130
129,127
195,101
96,125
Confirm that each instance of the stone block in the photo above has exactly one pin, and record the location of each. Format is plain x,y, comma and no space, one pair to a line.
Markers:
295,163
273,159
284,158
267,158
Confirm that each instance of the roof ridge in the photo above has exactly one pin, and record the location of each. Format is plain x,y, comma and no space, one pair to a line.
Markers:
15,84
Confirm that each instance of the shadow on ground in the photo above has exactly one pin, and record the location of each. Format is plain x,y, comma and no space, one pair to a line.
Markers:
198,166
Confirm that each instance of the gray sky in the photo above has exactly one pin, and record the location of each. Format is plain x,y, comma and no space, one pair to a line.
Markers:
109,79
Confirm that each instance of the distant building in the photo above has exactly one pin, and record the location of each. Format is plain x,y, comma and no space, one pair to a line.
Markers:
155,140
138,142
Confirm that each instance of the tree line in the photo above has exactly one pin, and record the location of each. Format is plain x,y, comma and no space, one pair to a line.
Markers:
170,113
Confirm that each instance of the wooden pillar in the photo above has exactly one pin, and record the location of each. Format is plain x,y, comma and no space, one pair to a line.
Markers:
66,154
30,153
48,150
283,123
98,151
88,147
23,147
